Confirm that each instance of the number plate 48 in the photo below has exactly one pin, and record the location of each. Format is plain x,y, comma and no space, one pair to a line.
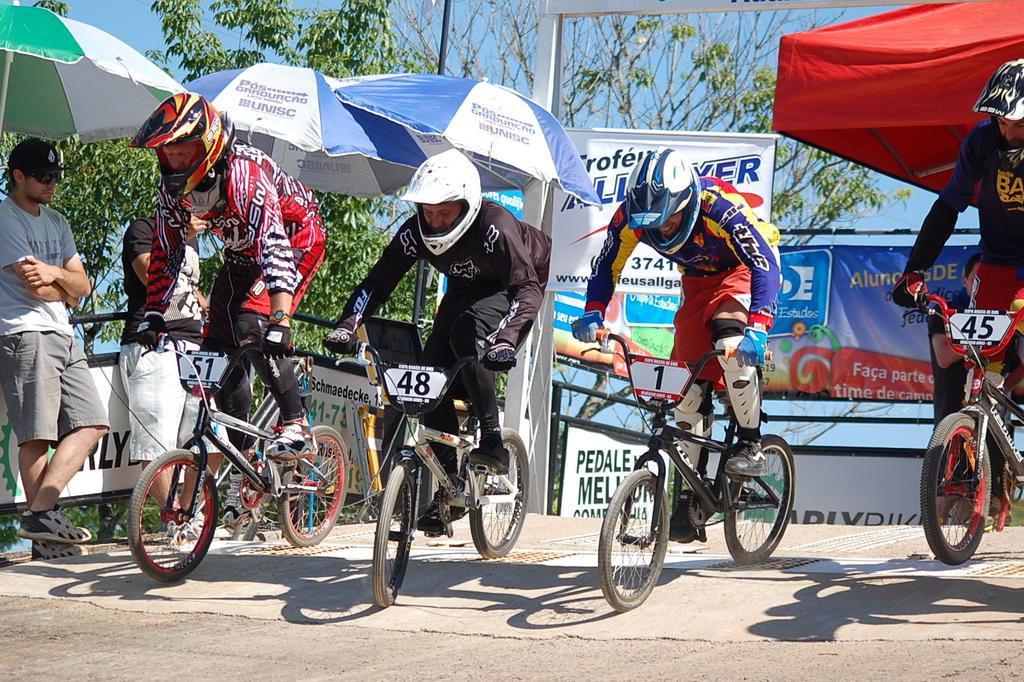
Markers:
979,327
414,384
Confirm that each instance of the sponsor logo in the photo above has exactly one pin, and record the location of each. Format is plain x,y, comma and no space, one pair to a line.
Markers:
355,395
408,243
495,123
258,288
803,297
466,269
490,239
611,173
1010,188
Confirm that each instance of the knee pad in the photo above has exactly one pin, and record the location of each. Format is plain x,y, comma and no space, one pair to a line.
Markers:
695,413
743,388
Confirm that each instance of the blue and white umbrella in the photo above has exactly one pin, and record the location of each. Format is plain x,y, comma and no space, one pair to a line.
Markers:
509,136
292,114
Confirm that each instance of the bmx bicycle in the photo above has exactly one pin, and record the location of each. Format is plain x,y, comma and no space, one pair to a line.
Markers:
956,476
634,535
496,503
173,510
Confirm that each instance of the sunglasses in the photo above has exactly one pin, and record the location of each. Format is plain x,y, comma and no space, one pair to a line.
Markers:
46,177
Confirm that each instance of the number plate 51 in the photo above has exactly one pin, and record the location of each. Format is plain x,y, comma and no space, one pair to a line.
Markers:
979,327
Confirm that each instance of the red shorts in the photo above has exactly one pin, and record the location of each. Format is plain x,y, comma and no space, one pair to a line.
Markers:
702,297
240,287
999,287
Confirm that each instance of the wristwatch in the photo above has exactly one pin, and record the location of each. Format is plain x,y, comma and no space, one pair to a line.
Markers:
279,316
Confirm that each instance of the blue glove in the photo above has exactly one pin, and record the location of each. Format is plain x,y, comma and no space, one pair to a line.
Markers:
750,352
585,328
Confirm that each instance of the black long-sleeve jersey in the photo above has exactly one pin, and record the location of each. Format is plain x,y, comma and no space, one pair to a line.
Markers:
496,253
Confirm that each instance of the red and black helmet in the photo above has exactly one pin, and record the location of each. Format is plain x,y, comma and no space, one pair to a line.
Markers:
185,118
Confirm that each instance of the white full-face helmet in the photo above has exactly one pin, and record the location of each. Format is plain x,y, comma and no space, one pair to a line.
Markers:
448,176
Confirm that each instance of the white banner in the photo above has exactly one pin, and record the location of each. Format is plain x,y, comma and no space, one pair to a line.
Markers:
746,161
336,399
835,490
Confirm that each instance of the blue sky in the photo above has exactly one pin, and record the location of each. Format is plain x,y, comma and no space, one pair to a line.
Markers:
133,22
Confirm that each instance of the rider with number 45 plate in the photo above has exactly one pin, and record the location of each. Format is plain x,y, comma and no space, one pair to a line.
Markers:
729,262
990,166
274,242
497,270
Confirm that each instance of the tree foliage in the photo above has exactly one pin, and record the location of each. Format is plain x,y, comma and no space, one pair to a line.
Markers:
706,72
701,72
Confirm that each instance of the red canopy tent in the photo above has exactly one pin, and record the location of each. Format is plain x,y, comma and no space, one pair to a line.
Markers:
894,91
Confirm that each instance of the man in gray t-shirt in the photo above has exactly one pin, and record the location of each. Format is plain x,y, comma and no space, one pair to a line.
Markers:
50,395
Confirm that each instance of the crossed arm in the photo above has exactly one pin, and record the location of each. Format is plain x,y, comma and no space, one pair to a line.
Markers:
48,282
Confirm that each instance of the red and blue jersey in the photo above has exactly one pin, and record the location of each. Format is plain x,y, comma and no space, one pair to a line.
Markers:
727,235
1000,194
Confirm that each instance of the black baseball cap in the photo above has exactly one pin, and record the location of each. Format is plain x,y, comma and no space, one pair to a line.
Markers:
35,155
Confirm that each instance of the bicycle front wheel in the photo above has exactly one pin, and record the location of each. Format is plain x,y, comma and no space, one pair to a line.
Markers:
634,539
309,514
166,542
496,527
393,539
955,482
759,513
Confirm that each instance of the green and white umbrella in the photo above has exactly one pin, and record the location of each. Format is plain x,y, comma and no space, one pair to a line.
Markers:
62,78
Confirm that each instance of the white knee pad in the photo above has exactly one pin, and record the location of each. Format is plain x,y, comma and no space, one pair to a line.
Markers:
742,385
689,417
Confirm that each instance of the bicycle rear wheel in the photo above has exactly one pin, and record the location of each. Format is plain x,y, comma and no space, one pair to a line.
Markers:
757,518
634,539
955,485
166,542
393,539
306,517
496,527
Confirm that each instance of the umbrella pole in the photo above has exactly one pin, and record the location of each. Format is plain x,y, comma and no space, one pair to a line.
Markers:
8,56
420,291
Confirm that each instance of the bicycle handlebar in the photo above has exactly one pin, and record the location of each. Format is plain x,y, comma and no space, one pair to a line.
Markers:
605,336
946,312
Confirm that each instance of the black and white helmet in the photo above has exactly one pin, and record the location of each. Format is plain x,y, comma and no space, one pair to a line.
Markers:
448,176
1003,97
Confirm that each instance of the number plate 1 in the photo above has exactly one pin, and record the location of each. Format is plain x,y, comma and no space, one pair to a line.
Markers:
209,364
413,384
979,327
657,378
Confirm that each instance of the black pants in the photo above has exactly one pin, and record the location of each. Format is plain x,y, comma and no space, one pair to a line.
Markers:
235,395
463,324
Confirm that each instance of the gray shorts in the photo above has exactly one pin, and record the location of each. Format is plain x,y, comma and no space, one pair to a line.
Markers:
47,386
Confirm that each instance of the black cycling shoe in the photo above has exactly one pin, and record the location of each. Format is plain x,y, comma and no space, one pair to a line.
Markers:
432,525
490,453
746,459
680,528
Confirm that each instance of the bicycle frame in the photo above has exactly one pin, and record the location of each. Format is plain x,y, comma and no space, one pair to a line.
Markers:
423,436
665,438
981,396
204,432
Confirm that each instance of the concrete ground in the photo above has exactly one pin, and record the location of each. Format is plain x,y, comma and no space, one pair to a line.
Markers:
849,602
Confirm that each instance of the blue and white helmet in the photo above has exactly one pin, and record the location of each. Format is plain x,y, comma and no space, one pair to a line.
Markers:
662,184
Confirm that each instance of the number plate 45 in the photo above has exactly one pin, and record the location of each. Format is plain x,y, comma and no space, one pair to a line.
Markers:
414,384
978,327
658,379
